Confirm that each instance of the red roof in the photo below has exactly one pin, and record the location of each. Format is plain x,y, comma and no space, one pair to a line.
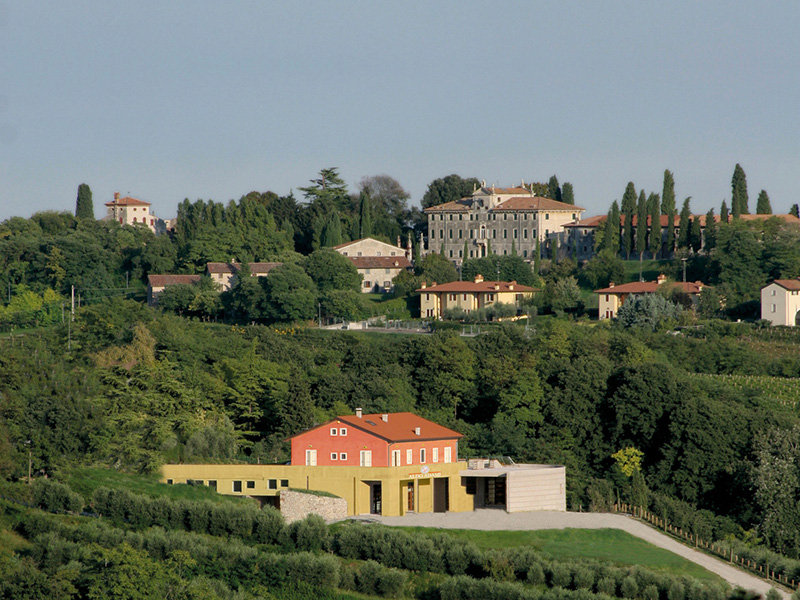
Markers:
664,220
164,280
536,203
789,284
477,286
380,262
460,205
398,427
649,287
127,201
233,267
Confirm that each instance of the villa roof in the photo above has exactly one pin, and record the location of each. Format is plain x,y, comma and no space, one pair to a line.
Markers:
127,201
649,287
165,280
398,427
789,284
477,286
233,267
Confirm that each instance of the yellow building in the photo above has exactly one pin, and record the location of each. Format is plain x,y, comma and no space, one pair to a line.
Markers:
469,296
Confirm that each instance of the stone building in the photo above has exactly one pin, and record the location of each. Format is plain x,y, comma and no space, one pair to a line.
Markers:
498,221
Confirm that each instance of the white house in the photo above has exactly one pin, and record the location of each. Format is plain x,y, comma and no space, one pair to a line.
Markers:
780,302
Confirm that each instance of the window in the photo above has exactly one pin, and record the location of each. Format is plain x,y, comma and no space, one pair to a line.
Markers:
366,271
435,455
250,485
773,308
450,234
452,297
272,484
169,481
387,271
433,235
365,458
212,483
546,216
396,458
515,234
387,284
460,233
359,253
505,233
311,458
334,431
284,483
377,254
465,297
451,217
334,456
490,297
367,284
494,233
441,234
773,292
525,233
525,253
343,431
422,455
342,455
447,454
409,456
237,487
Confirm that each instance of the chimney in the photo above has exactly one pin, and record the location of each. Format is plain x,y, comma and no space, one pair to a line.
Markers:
116,196
424,285
398,242
358,413
417,431
385,418
661,279
511,285
478,278
611,284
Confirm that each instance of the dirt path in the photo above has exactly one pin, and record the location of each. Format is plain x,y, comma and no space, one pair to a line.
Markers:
498,520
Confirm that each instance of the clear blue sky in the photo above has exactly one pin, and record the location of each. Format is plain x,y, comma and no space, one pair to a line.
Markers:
169,100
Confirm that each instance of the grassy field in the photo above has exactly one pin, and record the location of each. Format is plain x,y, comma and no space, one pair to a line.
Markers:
650,269
86,480
606,545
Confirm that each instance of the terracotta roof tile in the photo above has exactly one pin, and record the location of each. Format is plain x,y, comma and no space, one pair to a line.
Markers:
380,262
165,280
128,201
536,203
457,205
789,284
649,287
400,427
473,287
233,267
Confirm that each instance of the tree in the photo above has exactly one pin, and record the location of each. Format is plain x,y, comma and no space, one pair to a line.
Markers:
795,210
365,215
290,294
648,311
388,200
654,210
628,210
567,193
603,268
332,271
562,294
448,189
332,233
724,216
711,231
668,209
739,200
696,235
84,209
553,189
763,206
641,224
435,267
611,239
683,227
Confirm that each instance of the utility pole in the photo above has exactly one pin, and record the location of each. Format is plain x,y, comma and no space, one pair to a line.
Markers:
72,311
683,260
30,459
319,313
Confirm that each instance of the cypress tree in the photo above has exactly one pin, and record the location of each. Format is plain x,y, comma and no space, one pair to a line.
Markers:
466,250
553,189
513,247
654,203
739,200
711,231
795,211
615,228
641,224
724,216
365,215
567,193
668,209
332,234
763,207
696,235
683,233
84,209
628,209
537,256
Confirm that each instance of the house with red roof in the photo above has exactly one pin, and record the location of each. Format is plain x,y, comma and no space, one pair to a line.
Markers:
496,220
780,302
377,262
224,273
469,296
376,440
611,298
131,211
158,283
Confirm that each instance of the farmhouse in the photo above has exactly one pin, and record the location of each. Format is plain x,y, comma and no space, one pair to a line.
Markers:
469,296
158,283
389,464
780,302
614,296
377,262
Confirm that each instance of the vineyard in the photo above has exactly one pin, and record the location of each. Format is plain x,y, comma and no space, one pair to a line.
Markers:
779,393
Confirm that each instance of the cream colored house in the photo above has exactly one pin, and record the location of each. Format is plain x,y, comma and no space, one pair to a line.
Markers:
611,298
469,296
130,211
780,302
498,221
377,262
224,274
158,283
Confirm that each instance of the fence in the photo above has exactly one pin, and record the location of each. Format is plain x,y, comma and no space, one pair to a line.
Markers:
715,549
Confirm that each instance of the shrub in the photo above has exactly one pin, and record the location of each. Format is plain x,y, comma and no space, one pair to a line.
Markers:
675,591
607,586
560,576
650,592
535,574
583,578
56,497
629,588
310,535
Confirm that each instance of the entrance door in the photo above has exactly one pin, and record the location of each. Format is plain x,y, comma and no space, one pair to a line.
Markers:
366,458
441,495
410,492
311,458
375,501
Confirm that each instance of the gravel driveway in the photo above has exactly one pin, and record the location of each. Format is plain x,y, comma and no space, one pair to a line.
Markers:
491,520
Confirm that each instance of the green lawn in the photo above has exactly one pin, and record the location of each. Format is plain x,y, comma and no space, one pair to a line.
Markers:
650,269
606,545
86,480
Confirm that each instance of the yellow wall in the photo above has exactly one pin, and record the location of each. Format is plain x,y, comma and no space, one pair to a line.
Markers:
438,302
349,483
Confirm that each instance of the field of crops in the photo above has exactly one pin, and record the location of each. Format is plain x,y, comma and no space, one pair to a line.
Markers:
781,393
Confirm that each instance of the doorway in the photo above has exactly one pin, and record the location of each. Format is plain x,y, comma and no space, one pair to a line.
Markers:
375,498
410,496
441,494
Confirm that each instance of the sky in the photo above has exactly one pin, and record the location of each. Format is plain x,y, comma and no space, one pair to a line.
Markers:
170,100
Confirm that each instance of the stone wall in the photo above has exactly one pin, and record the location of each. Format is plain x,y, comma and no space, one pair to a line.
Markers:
297,505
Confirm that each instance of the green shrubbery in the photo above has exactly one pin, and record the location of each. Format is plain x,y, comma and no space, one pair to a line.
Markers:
56,497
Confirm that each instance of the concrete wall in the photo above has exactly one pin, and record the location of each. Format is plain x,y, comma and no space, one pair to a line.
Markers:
297,505
541,488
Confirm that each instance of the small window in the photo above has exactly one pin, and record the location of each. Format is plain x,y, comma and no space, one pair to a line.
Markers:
435,457
546,216
251,485
773,292
422,455
272,484
237,487
343,456
212,484
284,483
334,431
409,456
773,308
169,481
334,456
343,431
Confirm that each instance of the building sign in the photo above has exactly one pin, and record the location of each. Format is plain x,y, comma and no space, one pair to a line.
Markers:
424,473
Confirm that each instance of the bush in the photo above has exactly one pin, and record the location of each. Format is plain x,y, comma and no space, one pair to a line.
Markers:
268,525
535,574
629,588
309,535
56,497
583,578
607,586
560,576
